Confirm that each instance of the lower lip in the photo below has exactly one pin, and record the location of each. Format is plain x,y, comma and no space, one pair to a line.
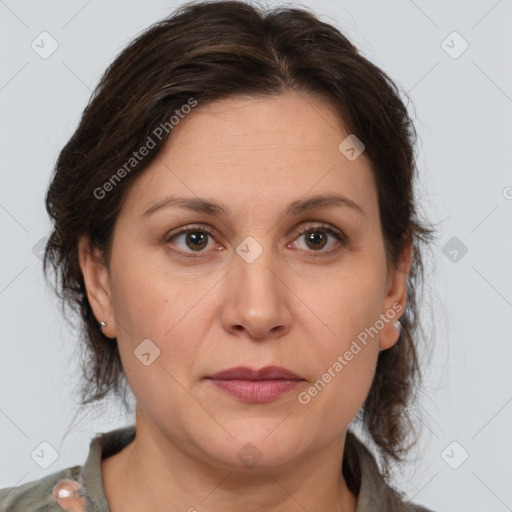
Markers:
256,391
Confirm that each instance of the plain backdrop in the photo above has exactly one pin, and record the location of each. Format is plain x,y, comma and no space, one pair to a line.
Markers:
452,58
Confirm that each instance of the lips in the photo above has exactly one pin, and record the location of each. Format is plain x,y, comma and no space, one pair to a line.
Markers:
256,386
245,373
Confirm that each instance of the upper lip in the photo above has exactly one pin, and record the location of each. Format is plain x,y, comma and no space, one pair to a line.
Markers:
246,373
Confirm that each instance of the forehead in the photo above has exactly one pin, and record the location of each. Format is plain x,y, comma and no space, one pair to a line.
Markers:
254,153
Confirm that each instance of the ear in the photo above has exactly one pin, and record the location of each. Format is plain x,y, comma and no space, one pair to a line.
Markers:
97,284
396,297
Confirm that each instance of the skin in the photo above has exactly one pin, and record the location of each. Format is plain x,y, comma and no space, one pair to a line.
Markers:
298,306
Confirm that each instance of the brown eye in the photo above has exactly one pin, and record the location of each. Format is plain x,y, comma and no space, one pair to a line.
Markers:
196,240
316,238
190,239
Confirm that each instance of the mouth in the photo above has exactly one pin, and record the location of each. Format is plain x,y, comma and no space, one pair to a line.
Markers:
256,386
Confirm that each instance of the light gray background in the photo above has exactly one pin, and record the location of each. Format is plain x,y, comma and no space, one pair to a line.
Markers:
463,113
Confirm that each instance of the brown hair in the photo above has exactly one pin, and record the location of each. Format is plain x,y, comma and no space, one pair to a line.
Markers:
208,51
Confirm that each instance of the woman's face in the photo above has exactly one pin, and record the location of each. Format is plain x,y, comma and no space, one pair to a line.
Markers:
262,282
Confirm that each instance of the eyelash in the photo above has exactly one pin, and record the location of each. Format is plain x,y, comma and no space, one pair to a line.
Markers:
322,227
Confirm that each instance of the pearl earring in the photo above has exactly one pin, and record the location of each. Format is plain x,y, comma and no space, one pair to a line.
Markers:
399,326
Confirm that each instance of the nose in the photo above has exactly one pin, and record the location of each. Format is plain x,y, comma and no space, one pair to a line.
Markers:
256,299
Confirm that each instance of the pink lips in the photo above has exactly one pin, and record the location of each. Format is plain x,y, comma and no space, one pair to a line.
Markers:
257,386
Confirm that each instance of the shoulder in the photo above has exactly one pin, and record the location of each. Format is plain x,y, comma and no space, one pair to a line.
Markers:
74,488
417,508
36,496
365,479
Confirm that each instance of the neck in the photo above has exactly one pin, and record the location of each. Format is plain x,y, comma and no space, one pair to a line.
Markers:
152,471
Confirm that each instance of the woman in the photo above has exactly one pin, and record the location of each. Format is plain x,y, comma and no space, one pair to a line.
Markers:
234,220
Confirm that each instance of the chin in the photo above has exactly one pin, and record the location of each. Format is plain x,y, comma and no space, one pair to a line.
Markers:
256,447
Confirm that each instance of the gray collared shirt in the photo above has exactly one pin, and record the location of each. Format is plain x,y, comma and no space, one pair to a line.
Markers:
81,487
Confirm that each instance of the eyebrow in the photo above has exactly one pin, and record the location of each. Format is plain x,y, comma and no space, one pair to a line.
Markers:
200,205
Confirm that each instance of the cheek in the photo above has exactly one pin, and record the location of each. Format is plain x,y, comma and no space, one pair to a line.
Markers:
155,322
146,299
347,304
341,384
345,354
139,307
168,310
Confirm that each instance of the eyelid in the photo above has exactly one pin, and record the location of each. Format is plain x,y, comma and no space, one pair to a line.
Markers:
319,225
188,228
